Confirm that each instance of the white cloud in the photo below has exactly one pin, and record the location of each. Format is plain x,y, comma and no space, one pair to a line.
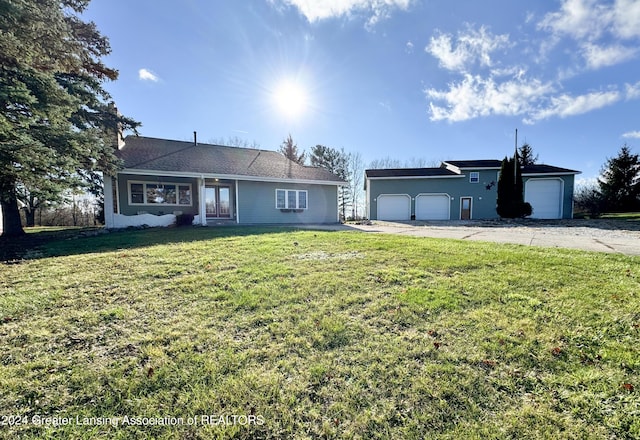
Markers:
475,96
409,47
627,18
633,90
599,56
471,46
592,21
147,75
632,134
580,19
529,17
385,105
604,34
567,105
315,10
531,99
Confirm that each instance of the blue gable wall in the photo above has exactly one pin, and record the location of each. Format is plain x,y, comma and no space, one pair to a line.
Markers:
257,203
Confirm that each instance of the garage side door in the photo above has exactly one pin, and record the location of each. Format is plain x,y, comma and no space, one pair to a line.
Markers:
394,207
545,197
432,207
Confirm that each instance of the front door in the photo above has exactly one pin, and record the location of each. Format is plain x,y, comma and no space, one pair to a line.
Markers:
218,201
465,208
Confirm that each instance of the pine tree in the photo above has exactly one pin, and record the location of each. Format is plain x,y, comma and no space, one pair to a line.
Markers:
525,155
620,182
336,161
510,202
290,151
56,125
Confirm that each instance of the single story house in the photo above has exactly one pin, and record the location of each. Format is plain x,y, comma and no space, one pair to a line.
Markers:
217,184
464,190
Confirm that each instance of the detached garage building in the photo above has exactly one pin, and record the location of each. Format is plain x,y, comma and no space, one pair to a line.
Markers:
463,190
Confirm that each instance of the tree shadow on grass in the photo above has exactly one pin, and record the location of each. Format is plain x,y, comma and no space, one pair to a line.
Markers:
43,244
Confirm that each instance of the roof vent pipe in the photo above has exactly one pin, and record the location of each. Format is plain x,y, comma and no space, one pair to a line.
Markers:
195,138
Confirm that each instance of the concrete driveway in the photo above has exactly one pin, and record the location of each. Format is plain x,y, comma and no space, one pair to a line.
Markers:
612,236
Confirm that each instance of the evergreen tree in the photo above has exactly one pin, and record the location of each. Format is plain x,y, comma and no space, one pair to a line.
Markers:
510,202
525,155
336,161
290,151
620,182
56,126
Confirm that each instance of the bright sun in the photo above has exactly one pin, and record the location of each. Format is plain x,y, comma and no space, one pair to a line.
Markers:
290,98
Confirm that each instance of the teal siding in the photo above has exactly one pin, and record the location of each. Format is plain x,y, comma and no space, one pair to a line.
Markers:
483,193
567,201
127,209
257,203
483,199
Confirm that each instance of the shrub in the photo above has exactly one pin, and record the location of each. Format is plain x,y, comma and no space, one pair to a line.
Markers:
184,219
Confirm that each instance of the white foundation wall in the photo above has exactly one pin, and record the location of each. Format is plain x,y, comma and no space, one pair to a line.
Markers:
125,221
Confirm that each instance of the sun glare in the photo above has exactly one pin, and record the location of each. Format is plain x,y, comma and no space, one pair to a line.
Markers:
290,98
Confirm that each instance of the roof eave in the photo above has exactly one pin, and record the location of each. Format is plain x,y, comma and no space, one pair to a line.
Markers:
552,173
456,168
145,172
414,177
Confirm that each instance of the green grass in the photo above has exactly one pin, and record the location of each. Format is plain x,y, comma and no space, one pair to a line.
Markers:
629,216
54,229
322,335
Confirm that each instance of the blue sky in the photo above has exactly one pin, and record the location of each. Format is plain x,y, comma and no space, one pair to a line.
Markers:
406,79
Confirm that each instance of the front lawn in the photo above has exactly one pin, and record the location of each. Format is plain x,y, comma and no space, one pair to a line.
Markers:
310,334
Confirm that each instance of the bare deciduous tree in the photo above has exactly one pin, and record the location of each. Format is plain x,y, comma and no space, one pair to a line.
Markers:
356,172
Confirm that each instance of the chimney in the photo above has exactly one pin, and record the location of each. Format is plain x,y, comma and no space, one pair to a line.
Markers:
195,138
116,127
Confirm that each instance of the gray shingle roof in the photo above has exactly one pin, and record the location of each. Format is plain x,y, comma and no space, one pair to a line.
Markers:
475,163
410,172
527,169
463,164
144,153
546,169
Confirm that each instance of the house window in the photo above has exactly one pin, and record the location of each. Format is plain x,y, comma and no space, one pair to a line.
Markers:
184,194
148,193
136,191
291,199
161,193
281,199
474,177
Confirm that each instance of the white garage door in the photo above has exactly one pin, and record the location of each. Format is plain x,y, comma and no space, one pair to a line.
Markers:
394,207
545,197
432,207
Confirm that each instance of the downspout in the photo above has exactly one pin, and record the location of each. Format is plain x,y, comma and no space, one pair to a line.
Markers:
338,203
202,207
367,196
237,205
